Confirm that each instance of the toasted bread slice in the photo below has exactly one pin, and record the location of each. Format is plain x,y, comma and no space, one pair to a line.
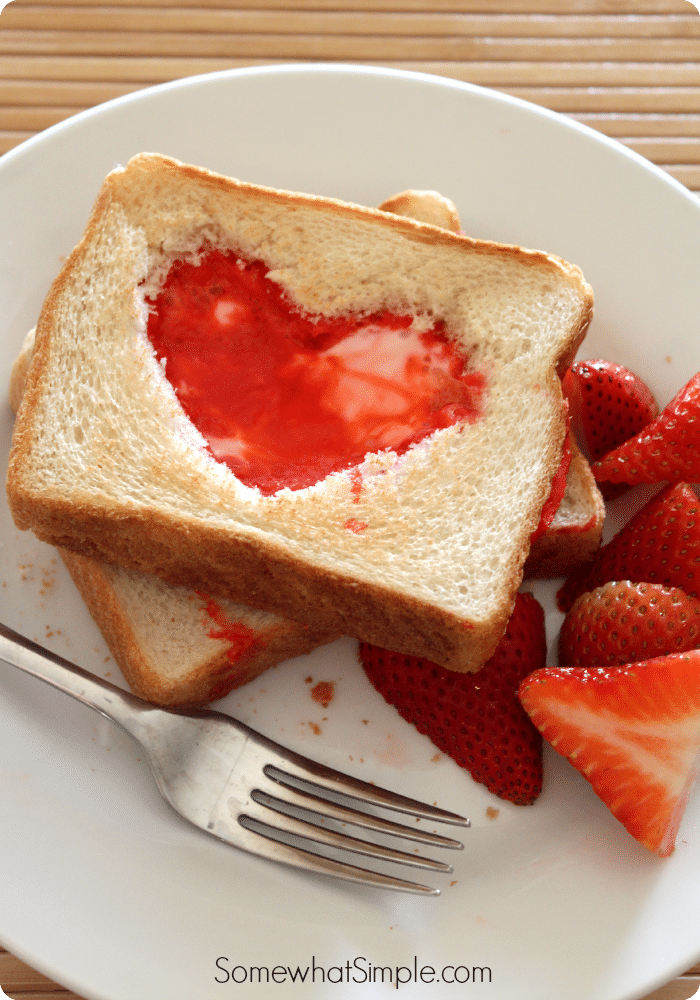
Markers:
173,646
170,649
105,463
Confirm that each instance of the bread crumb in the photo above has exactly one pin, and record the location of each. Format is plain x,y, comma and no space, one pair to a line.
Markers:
492,813
323,693
435,758
315,729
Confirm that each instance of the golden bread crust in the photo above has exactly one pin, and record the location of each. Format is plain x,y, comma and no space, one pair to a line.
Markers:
424,206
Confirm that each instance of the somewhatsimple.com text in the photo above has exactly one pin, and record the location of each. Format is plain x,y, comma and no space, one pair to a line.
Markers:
356,970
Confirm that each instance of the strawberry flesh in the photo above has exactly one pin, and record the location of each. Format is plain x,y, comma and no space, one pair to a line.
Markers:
624,622
476,719
661,544
633,732
668,449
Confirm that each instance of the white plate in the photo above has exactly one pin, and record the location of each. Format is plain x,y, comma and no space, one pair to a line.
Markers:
100,886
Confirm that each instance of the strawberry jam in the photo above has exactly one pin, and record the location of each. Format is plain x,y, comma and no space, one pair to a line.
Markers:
242,639
283,398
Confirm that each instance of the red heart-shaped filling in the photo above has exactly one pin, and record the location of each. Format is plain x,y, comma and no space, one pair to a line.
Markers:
284,399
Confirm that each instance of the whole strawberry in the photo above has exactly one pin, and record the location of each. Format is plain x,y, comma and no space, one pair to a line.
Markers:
624,622
633,732
608,404
661,544
474,718
666,449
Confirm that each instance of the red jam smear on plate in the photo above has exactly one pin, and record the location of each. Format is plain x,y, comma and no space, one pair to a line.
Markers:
283,398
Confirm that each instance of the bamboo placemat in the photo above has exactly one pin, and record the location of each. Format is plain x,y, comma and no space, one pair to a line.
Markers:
630,68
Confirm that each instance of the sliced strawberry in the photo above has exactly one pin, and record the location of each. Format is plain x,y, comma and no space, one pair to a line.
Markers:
661,544
666,449
623,622
633,732
474,718
608,404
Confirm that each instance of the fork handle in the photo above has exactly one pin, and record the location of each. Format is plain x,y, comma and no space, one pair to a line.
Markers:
117,705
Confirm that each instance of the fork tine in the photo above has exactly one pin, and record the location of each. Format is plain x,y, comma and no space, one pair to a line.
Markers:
259,841
323,835
288,764
317,805
322,777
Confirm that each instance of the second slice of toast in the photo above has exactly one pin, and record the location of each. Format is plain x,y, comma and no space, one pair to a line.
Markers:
178,648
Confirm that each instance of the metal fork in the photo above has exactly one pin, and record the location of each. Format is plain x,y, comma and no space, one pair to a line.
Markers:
245,789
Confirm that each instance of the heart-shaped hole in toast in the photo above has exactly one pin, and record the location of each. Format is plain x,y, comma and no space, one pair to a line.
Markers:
283,398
